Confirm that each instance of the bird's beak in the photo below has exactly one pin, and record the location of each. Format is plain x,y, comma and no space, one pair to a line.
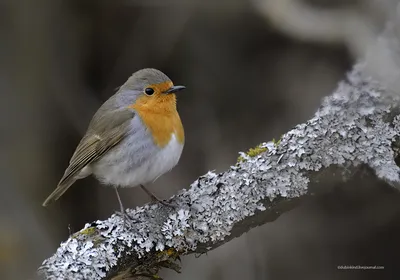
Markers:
174,89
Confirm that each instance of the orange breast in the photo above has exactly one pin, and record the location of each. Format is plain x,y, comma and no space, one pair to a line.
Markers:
160,117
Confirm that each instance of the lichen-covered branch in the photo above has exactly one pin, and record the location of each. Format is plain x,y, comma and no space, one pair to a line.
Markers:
355,126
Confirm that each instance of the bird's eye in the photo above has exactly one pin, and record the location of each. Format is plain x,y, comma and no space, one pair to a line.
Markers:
149,91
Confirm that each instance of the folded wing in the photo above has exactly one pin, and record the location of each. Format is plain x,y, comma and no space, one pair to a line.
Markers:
103,134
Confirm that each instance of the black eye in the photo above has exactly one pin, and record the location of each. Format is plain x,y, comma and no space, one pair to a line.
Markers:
149,91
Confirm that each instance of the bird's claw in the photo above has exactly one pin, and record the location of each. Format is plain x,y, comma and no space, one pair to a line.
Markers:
167,204
126,217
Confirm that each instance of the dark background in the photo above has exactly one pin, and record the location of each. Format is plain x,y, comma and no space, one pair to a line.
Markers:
248,81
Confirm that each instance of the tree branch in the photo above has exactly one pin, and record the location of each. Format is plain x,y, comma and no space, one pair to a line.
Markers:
355,126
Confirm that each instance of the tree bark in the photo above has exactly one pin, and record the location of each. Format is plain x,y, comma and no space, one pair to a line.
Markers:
356,128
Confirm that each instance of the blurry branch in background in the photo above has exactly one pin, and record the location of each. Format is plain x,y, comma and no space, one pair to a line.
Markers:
383,57
300,20
355,26
356,129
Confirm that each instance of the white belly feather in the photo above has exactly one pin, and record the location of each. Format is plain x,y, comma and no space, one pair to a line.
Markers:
160,163
111,170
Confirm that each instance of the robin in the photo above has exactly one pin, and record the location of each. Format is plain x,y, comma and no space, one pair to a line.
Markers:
135,137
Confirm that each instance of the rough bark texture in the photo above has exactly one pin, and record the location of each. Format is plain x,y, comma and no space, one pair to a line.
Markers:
356,126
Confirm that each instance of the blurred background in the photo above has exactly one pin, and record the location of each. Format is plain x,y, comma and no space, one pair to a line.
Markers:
253,70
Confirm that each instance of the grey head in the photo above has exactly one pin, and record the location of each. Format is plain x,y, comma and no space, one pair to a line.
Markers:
148,81
144,78
145,82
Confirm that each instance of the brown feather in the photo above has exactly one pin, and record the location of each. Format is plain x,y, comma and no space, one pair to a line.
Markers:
104,133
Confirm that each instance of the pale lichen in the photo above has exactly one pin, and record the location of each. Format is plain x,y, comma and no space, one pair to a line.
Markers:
349,129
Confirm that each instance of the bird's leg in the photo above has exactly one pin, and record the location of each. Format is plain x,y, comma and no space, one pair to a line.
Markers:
123,212
155,198
119,200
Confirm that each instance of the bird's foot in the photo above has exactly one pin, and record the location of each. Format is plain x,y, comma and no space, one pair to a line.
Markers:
154,198
124,214
164,202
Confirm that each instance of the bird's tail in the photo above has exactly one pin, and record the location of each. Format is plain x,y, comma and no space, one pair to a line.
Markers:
59,191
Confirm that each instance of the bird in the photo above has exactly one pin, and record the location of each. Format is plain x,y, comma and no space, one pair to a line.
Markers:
134,137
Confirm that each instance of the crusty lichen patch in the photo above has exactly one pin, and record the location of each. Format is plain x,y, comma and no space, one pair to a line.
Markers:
276,142
349,129
87,231
149,268
257,150
252,152
171,252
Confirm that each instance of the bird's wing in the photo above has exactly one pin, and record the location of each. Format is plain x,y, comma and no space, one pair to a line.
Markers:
104,133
